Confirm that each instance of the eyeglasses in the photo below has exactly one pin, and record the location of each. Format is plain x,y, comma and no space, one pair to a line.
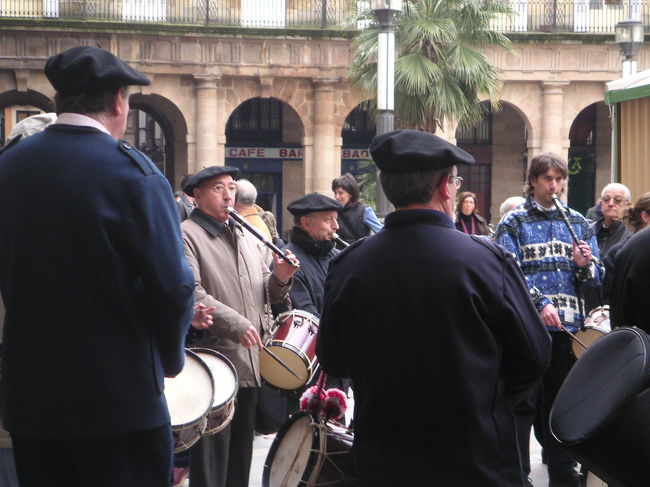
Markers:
617,200
457,180
220,188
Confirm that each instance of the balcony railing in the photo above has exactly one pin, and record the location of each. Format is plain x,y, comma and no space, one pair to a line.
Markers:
533,16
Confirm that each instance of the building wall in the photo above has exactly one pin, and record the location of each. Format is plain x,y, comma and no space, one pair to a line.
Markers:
198,81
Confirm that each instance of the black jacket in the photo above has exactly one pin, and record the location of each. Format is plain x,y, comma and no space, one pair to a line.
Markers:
628,299
436,328
308,285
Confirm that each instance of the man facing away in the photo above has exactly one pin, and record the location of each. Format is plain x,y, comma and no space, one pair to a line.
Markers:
98,295
556,270
434,327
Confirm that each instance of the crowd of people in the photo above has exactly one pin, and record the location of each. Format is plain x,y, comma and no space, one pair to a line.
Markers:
455,335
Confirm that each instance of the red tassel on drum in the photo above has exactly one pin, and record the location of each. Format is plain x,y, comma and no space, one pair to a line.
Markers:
331,403
335,404
312,399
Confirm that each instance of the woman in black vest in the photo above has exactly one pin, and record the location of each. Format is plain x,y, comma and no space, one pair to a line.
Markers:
467,219
356,220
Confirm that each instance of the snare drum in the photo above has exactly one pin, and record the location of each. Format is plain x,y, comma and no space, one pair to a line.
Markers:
189,398
294,343
596,326
225,380
308,451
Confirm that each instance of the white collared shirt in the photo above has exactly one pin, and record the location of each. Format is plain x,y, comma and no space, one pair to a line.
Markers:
81,120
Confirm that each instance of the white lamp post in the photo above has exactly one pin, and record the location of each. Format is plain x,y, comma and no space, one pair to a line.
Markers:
629,37
386,12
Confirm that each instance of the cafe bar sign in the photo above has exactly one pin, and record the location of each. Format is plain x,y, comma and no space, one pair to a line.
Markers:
287,153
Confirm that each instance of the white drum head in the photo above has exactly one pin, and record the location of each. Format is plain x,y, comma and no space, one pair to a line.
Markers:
292,455
225,380
189,394
277,375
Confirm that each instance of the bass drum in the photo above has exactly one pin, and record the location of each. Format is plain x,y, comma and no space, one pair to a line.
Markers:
308,451
225,383
189,398
597,325
600,414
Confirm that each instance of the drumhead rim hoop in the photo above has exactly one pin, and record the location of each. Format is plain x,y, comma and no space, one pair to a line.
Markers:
180,426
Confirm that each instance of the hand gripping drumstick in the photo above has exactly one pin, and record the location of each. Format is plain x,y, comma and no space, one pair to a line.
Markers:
237,217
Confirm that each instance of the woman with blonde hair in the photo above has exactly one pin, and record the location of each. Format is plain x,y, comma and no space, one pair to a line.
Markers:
467,218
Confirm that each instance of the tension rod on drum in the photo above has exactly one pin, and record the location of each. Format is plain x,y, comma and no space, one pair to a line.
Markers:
281,362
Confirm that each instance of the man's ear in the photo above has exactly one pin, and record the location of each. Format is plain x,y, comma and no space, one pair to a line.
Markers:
116,105
443,188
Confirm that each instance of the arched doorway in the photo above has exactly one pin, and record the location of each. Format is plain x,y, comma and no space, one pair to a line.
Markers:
589,156
264,140
18,105
157,127
498,143
358,130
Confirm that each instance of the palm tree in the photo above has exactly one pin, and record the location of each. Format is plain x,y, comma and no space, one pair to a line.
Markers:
439,72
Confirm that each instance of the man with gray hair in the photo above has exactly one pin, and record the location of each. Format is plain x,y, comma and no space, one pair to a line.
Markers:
610,229
246,207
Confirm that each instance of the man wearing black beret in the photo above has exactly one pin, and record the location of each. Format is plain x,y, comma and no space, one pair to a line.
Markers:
97,291
231,275
434,327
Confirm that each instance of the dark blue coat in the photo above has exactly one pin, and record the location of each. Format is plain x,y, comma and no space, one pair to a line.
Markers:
441,339
98,295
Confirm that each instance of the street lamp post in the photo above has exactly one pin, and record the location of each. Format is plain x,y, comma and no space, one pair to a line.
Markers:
629,37
386,12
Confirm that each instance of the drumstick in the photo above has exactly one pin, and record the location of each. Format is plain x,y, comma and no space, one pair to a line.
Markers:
279,360
574,337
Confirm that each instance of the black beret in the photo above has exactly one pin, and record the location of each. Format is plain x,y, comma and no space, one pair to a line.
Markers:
414,150
208,173
89,69
313,202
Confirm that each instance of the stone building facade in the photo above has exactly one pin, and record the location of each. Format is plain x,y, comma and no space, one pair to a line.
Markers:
204,80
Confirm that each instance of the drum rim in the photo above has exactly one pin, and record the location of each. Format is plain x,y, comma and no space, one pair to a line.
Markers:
299,312
205,366
220,355
315,443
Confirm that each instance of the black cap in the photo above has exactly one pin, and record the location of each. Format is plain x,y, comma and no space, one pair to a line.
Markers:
313,202
414,150
89,69
208,173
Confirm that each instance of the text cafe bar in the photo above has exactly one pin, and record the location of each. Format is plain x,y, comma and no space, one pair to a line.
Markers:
287,153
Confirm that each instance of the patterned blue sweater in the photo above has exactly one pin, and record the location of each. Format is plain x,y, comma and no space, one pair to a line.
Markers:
542,244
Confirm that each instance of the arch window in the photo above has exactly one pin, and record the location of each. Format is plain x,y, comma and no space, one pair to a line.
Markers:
258,119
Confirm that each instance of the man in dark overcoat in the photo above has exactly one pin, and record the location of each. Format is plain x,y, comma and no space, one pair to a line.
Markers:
631,284
97,292
435,327
312,241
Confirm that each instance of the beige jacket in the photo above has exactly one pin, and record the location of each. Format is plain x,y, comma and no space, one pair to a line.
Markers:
230,273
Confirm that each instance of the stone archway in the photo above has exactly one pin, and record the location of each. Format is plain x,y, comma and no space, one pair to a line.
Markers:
589,156
22,98
264,138
173,126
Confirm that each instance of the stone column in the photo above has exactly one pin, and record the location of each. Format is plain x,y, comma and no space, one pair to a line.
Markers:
326,163
553,119
206,122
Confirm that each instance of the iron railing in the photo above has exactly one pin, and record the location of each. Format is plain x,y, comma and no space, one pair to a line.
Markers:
535,16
